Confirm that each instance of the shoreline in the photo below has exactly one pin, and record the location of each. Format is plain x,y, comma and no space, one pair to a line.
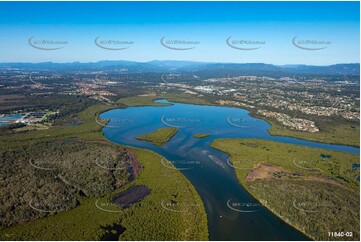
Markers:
269,208
91,131
250,113
134,151
281,219
266,205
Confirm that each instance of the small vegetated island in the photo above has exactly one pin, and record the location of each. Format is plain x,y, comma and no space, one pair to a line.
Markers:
200,136
160,136
314,190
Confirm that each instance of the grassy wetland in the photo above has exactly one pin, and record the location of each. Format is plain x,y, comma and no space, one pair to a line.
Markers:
314,190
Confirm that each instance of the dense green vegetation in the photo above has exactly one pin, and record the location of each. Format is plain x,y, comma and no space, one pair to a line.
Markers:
313,207
159,136
51,175
199,136
315,190
82,187
152,221
147,220
66,104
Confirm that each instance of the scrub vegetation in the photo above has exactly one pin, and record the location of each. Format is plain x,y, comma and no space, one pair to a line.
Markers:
314,190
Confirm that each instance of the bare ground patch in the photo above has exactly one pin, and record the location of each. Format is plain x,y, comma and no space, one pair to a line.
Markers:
268,171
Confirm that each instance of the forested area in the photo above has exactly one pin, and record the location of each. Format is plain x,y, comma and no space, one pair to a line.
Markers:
314,207
66,104
50,177
80,176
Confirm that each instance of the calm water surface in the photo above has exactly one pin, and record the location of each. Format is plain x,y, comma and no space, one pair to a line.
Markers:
214,180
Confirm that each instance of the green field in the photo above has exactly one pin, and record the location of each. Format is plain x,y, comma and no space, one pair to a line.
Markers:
159,136
199,136
314,190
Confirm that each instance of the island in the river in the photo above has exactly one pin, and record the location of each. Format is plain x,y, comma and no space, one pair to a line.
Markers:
160,136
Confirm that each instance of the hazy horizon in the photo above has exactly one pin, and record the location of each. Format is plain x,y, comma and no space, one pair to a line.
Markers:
279,33
155,60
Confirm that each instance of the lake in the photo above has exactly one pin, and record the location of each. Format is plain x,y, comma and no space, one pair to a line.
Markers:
207,168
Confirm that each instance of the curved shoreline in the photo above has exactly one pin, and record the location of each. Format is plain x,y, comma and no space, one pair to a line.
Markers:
267,207
242,182
250,113
88,217
270,209
196,194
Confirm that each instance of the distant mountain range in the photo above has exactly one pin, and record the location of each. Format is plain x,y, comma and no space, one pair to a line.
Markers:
190,66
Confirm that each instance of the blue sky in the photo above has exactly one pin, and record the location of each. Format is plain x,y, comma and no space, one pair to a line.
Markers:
209,23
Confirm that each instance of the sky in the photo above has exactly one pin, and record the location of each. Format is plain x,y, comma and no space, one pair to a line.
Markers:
313,33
